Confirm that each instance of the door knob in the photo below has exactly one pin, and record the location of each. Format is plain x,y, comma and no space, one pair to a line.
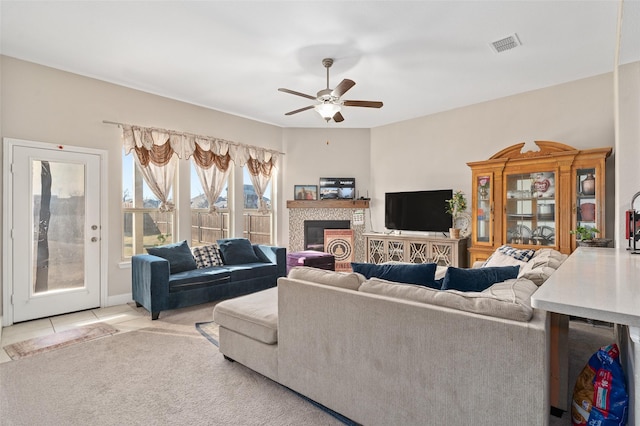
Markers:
94,239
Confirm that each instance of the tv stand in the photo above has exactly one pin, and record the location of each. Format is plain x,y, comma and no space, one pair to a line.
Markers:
380,248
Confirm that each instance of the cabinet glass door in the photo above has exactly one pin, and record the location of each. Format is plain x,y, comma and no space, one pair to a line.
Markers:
530,209
483,210
586,214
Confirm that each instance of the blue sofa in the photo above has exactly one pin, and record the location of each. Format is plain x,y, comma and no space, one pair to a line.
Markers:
156,289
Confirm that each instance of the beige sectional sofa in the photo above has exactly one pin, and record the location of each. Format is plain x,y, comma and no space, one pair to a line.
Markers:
383,353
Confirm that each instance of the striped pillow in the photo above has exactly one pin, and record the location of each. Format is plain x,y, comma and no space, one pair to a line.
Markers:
508,256
523,255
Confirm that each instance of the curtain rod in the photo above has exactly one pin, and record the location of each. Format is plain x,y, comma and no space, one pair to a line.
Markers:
175,132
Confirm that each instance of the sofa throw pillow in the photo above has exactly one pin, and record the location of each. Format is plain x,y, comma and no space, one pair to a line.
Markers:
506,255
500,259
419,273
178,254
477,279
520,254
237,251
542,265
348,280
207,256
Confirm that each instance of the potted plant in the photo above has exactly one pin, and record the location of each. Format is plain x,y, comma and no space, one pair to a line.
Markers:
455,206
586,236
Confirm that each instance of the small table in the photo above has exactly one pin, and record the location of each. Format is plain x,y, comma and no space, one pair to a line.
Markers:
601,284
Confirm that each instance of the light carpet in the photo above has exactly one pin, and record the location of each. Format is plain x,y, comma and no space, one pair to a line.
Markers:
38,345
167,374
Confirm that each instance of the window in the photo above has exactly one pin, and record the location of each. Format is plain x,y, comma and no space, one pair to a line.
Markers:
143,225
257,226
207,228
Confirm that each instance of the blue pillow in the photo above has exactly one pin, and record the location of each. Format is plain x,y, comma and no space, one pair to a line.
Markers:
419,273
477,279
178,254
237,251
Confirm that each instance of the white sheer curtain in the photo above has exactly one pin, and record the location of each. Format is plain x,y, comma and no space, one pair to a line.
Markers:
260,165
157,163
212,167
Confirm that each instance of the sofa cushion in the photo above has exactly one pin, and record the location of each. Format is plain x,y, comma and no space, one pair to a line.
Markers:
197,278
348,280
477,279
207,256
506,255
542,265
509,299
409,273
236,251
248,271
254,315
177,254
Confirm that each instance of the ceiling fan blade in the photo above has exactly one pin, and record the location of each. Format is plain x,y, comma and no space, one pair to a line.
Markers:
366,104
342,88
293,92
299,110
337,117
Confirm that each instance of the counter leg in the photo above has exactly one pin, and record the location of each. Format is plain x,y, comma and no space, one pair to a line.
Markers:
559,362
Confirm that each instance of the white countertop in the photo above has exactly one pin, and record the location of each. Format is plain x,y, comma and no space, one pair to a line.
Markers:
596,283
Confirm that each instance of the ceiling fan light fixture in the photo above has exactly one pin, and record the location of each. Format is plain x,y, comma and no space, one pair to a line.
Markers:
327,110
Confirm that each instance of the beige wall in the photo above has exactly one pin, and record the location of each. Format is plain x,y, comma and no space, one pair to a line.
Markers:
315,153
53,106
48,105
431,152
628,146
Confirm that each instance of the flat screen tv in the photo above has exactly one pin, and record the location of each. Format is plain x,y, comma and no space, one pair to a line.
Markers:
417,210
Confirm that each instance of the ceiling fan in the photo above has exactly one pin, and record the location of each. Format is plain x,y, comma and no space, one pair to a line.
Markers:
330,104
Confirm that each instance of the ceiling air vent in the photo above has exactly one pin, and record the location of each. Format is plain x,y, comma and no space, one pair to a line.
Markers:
506,43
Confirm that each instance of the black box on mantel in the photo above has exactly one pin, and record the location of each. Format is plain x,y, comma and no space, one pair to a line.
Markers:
315,259
337,188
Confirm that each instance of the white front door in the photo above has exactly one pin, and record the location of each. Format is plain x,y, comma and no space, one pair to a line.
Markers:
55,229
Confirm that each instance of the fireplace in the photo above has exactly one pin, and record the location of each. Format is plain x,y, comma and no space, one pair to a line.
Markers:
314,232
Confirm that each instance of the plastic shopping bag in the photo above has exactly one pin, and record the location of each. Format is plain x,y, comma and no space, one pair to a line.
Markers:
600,395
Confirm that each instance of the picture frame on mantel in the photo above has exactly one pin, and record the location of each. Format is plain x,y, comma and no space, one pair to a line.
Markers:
305,192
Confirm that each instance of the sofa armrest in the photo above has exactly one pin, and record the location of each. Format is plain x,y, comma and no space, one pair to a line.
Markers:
277,255
150,281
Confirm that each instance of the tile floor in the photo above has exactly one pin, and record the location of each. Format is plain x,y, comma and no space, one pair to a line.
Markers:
127,317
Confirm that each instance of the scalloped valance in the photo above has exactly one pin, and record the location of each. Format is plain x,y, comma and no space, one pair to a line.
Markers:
154,150
184,144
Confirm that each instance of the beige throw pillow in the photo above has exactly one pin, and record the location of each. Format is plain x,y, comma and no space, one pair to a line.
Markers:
542,265
348,280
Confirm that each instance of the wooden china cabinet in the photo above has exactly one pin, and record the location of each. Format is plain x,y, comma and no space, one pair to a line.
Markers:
533,199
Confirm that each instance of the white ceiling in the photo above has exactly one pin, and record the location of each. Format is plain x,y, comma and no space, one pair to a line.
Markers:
418,57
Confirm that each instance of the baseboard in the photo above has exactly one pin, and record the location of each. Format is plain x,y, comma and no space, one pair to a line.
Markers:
119,299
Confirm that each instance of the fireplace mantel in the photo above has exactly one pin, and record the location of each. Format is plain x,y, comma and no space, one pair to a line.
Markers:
328,204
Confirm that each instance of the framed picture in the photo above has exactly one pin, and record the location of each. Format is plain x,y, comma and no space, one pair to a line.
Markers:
305,192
